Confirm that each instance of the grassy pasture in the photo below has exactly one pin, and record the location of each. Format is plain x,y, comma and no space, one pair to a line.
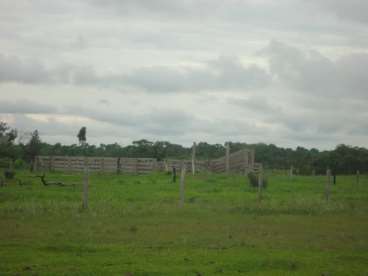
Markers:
135,227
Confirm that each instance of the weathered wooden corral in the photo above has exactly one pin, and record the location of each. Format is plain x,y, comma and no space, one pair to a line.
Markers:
238,162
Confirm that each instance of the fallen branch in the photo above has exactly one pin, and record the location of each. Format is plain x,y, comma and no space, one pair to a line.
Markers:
22,182
48,183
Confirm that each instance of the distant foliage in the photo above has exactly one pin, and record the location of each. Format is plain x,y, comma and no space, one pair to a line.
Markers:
7,138
343,159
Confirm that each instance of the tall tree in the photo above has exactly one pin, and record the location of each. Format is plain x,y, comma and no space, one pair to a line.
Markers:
7,137
33,148
82,136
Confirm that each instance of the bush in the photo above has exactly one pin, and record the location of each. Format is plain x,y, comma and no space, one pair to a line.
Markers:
9,174
253,180
19,164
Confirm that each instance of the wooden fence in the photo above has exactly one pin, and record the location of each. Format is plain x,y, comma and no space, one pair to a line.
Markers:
95,164
241,161
238,162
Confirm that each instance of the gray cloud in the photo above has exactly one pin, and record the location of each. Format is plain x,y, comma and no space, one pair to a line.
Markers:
12,69
221,74
25,106
256,104
354,10
316,74
152,122
306,119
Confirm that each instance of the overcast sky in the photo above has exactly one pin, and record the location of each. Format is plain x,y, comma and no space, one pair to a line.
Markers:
288,72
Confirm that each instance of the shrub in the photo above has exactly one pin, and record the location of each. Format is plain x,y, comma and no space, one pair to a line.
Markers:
9,174
19,164
253,180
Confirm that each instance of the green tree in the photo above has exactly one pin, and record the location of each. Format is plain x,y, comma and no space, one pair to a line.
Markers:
33,148
82,136
7,138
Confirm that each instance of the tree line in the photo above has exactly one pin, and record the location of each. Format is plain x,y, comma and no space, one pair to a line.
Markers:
343,159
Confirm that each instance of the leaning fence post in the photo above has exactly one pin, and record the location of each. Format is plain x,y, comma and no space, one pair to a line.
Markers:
193,157
227,158
328,182
85,184
182,185
260,182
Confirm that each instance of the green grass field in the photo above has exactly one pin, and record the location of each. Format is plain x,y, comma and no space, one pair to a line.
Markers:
135,227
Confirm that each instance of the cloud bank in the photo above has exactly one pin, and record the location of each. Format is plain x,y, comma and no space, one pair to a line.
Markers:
285,72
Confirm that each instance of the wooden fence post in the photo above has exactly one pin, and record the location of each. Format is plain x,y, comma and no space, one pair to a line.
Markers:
245,162
357,177
51,163
85,184
35,164
291,172
328,182
227,158
194,158
182,185
102,164
118,165
69,163
173,174
252,158
260,182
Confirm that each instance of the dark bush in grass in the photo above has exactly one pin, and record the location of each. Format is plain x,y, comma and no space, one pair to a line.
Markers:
9,174
253,180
